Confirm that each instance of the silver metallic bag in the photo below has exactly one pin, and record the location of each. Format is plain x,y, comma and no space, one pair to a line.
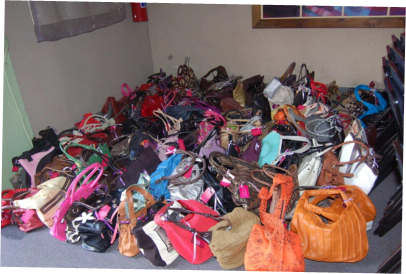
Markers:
272,88
187,184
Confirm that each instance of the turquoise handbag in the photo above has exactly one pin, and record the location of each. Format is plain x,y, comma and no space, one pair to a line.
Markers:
372,109
271,148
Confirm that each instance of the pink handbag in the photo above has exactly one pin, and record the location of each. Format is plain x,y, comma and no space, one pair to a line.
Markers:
71,196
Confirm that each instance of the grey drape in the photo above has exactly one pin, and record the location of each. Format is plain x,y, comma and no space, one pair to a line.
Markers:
57,20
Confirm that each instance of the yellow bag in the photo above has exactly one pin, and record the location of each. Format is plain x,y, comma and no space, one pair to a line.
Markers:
239,94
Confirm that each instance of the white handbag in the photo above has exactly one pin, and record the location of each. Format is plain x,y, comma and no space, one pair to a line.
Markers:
160,251
365,172
47,200
310,167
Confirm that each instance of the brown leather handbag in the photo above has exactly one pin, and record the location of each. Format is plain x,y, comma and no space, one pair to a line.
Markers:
238,172
219,74
127,220
228,104
52,169
272,247
330,234
330,174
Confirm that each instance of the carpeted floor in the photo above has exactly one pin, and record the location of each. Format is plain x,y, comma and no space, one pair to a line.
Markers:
39,249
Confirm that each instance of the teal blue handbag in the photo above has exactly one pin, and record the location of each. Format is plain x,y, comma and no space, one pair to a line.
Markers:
271,148
372,108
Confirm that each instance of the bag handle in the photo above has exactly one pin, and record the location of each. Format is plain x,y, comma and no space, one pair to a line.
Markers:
252,174
171,100
288,71
165,117
363,158
273,174
73,144
198,177
297,151
98,153
265,195
362,87
171,177
217,117
219,161
126,93
129,198
292,114
324,193
322,109
93,168
330,120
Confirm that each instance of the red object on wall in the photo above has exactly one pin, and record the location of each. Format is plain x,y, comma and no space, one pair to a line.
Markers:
139,11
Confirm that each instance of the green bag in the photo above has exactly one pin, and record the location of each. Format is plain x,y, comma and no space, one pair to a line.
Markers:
80,163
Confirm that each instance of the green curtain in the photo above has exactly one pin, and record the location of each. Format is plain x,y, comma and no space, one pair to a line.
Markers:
17,132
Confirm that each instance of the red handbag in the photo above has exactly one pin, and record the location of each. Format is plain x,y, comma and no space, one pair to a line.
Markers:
116,108
6,197
151,103
187,223
26,219
319,89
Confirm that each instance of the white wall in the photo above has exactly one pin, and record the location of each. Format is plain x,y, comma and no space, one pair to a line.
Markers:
215,35
62,80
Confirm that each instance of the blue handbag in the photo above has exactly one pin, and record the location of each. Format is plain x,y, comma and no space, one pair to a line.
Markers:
184,112
372,108
164,169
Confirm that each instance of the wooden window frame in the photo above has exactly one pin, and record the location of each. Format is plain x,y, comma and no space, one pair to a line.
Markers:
364,22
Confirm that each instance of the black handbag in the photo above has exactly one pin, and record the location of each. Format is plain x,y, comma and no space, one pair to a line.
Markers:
97,234
261,103
147,160
221,201
152,240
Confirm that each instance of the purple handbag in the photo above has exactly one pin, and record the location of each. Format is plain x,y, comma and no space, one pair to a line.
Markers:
205,106
251,154
211,145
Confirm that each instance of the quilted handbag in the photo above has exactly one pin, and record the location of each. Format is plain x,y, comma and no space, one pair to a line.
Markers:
187,223
73,194
330,234
272,247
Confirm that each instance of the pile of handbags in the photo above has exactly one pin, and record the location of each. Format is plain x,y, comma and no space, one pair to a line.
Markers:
254,174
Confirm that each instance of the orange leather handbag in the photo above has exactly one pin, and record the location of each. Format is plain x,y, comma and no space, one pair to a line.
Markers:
361,200
330,234
272,247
